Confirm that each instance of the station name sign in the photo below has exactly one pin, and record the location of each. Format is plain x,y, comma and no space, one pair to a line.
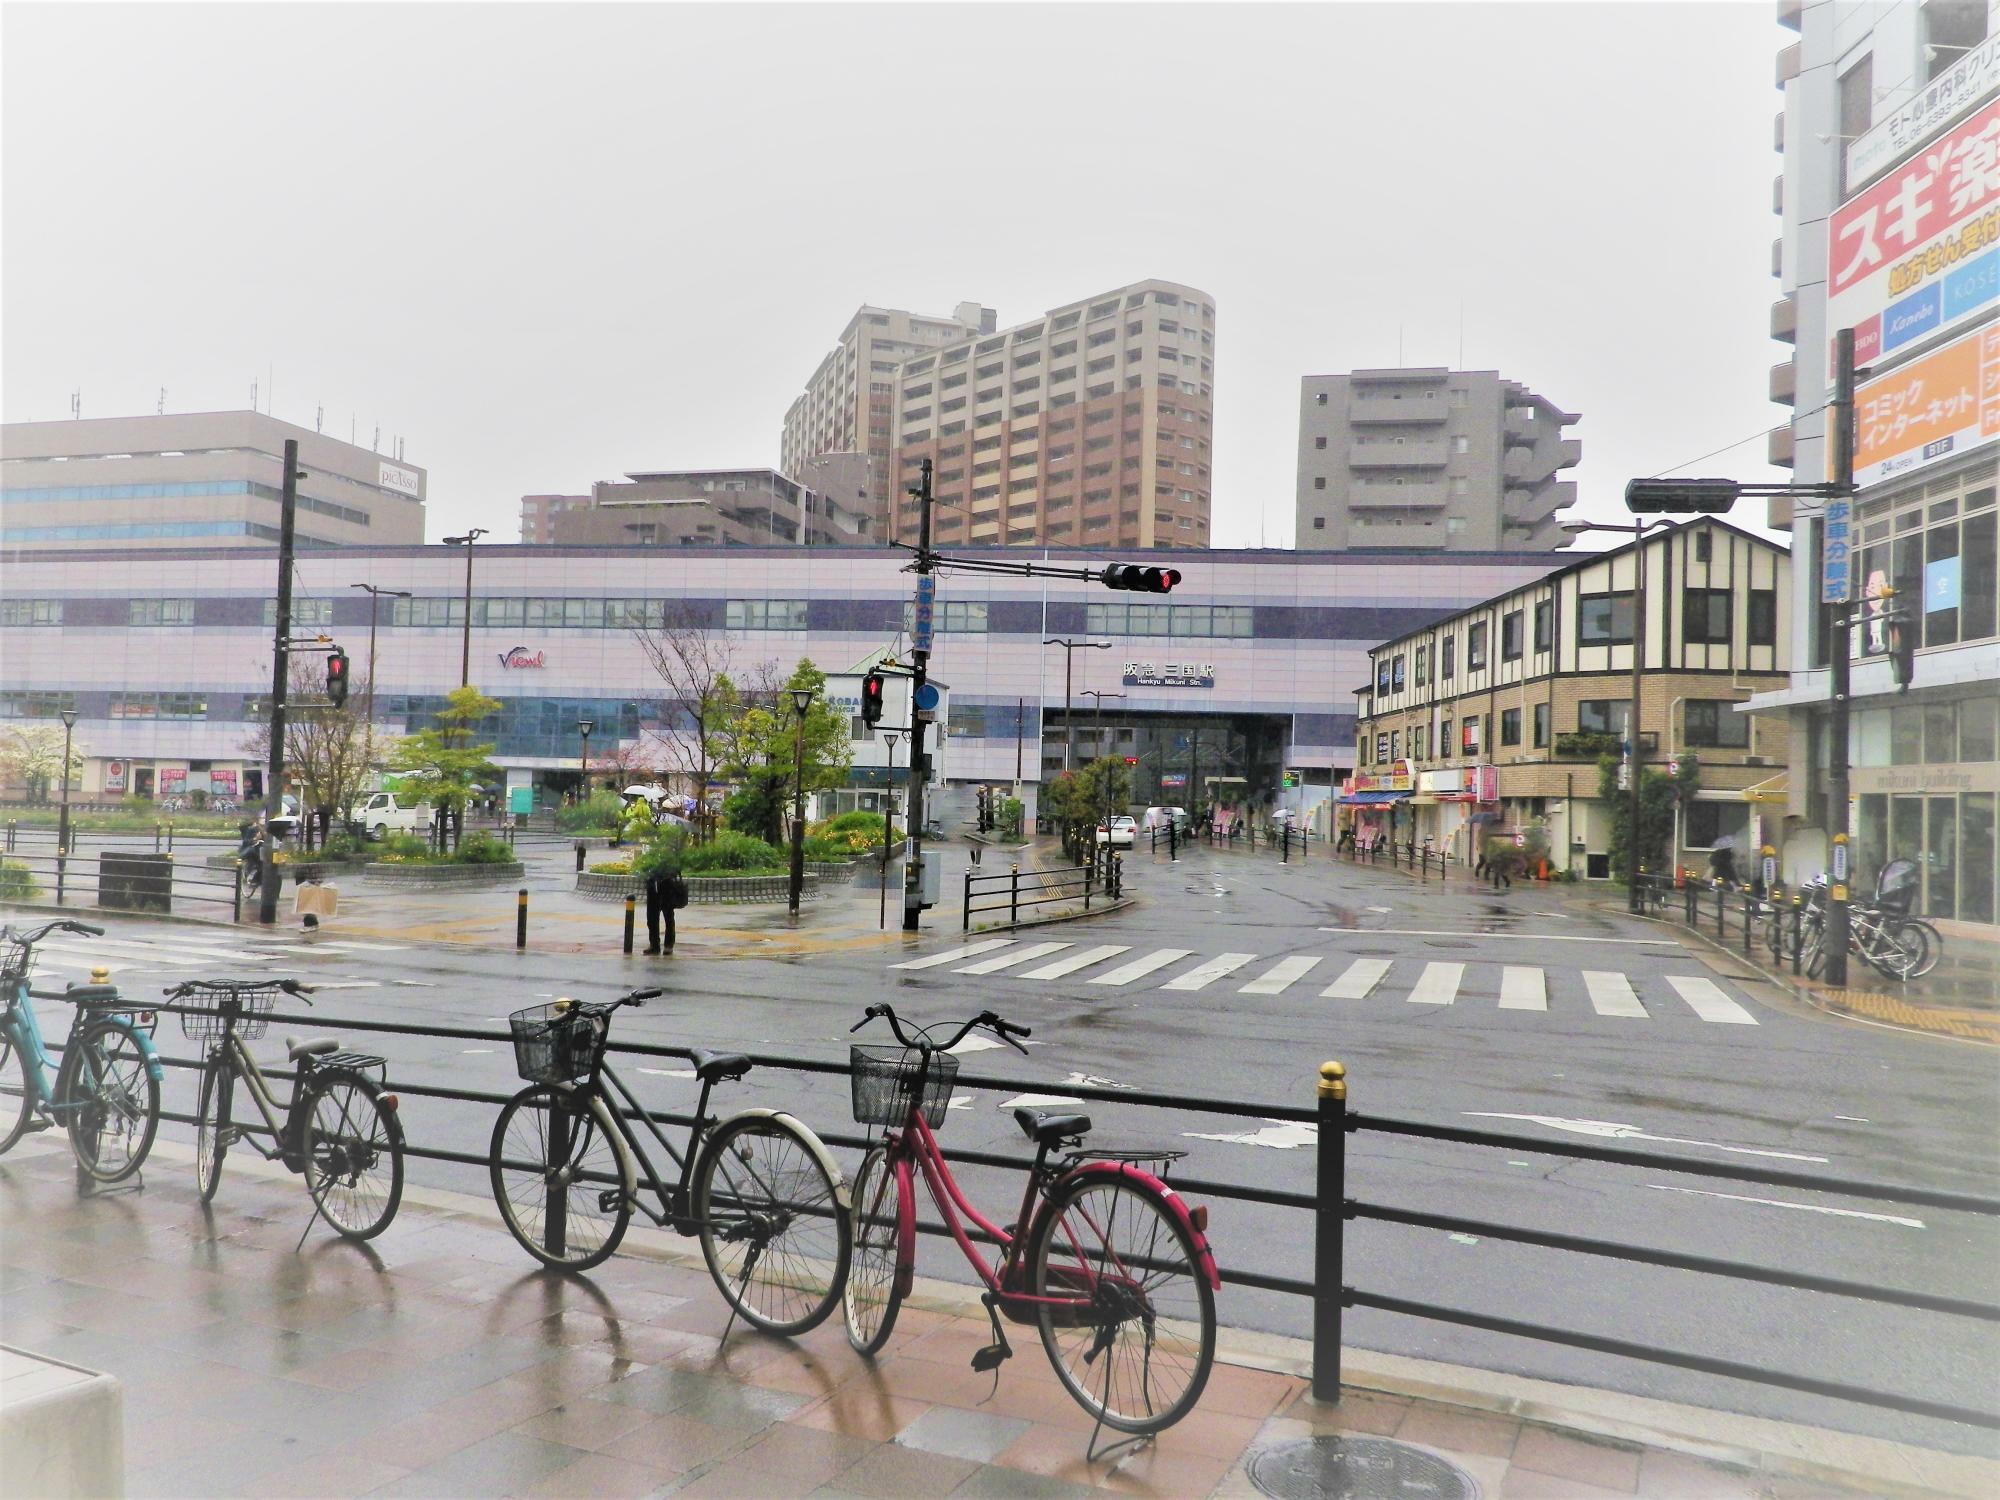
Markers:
1186,674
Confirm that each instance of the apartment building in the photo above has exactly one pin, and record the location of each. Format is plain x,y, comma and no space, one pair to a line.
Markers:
721,508
1453,459
1494,719
848,406
211,478
539,512
1888,204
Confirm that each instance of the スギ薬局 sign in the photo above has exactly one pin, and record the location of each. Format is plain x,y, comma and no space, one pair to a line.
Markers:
1929,409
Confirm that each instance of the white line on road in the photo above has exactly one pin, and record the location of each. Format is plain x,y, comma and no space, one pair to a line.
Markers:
1138,968
151,948
1012,956
1706,999
955,954
1042,1101
1208,973
1361,976
1811,1208
1070,963
1612,1130
671,1072
1611,994
1279,1135
1439,984
1280,976
347,984
1523,989
1533,937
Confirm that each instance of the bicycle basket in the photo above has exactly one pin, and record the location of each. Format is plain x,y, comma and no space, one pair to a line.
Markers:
554,1045
16,958
1896,887
884,1081
254,1006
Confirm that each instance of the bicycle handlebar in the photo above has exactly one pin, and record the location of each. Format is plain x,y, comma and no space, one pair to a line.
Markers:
296,988
1005,1030
65,924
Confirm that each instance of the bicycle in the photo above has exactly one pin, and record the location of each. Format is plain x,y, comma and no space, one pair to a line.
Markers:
760,1189
107,1091
1104,1259
1901,947
341,1131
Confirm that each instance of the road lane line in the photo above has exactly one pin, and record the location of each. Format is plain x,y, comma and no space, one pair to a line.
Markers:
1617,1131
955,954
1523,989
1360,977
1811,1208
1138,968
1013,956
1706,999
1280,976
1611,994
1082,960
152,948
1438,985
1533,937
1206,974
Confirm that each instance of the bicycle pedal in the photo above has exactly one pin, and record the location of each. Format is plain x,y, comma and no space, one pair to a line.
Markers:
991,1357
38,1124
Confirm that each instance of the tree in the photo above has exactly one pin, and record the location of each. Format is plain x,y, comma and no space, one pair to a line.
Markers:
697,700
444,760
33,756
1084,798
1659,796
328,750
761,747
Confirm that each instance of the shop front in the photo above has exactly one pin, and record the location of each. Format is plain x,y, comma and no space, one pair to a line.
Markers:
1375,807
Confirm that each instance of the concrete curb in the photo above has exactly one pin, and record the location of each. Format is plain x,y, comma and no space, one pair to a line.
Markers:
1069,916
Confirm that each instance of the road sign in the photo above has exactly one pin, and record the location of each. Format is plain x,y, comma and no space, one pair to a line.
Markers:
922,625
1840,859
927,698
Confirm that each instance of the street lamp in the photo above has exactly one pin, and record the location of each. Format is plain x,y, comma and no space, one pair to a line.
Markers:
1097,732
465,648
374,609
1070,648
1635,746
62,835
801,704
583,728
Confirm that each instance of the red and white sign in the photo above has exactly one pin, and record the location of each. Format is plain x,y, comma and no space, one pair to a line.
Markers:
114,775
1892,248
1488,784
521,657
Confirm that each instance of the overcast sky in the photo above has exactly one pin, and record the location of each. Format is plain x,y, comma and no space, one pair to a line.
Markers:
546,245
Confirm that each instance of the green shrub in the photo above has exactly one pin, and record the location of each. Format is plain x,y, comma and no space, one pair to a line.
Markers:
836,848
663,849
403,849
17,881
601,812
852,833
342,844
482,849
732,852
139,807
612,867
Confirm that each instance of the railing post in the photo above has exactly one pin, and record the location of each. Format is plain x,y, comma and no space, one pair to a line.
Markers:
1720,899
1746,924
1089,874
1285,854
238,899
156,839
1329,1224
1798,934
170,836
631,904
1014,893
521,918
965,915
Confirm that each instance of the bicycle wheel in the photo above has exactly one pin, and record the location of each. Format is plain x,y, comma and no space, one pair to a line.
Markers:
874,1290
772,1228
353,1154
1933,945
1137,1353
211,1125
17,1101
569,1208
113,1101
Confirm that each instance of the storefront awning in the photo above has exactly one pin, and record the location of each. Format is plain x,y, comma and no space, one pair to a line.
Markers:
1770,789
1373,799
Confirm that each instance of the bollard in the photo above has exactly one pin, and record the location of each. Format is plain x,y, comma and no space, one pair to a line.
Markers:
170,836
1329,1223
521,919
1720,898
156,838
62,863
579,856
1014,893
239,892
630,905
965,910
1285,856
1746,925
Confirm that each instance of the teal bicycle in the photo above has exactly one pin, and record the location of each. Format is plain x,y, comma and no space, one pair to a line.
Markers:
107,1091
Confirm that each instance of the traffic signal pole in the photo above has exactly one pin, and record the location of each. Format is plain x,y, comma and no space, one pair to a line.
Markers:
267,882
1840,645
920,657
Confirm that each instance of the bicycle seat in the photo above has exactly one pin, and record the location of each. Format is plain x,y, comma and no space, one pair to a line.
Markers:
317,1046
1046,1128
711,1067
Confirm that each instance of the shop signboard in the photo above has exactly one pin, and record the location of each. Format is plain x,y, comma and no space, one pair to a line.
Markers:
1488,784
1399,776
222,783
1930,409
1449,782
173,781
1972,78
114,775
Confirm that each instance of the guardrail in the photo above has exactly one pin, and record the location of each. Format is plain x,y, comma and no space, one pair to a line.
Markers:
122,880
1331,1208
1013,889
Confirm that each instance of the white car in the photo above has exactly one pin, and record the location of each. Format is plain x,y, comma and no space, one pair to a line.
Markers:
1118,833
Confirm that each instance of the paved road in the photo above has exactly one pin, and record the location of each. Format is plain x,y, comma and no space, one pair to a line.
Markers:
1233,979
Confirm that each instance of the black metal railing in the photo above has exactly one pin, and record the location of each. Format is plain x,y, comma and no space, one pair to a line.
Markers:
115,879
1015,890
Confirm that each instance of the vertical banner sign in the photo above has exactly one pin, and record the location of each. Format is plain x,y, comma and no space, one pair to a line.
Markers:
922,627
1836,586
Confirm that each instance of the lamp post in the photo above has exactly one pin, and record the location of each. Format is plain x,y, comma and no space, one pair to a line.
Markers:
375,596
1097,730
583,728
801,705
465,646
1070,648
62,835
888,823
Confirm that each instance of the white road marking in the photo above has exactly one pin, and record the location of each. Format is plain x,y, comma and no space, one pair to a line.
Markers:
1205,974
347,984
1279,977
1279,1135
155,948
1012,956
1381,910
975,1043
1070,963
1138,968
1042,1101
1439,984
1092,1081
959,1101
1523,989
1611,994
1706,999
1852,1119
1811,1208
1361,976
1611,1130
1533,937
955,954
473,1051
671,1072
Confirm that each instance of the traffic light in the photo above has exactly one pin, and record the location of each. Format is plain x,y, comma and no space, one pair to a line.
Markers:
1654,497
336,677
1902,638
871,698
1139,579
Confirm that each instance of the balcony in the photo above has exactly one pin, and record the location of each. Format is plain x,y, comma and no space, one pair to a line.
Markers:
1785,320
1529,508
1778,447
1421,453
1388,409
1420,495
1791,14
1788,64
1778,195
1785,383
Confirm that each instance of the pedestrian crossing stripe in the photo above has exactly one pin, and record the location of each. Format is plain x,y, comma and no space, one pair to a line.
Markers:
125,953
1611,994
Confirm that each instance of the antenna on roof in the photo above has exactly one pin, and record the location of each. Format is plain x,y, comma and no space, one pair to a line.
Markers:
76,403
375,443
319,419
162,407
253,393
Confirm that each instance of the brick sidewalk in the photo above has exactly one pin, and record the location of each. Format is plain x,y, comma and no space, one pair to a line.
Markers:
436,1362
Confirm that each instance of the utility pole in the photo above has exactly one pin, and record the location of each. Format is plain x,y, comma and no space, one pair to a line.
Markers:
1070,648
920,658
472,535
1634,901
1835,602
374,611
281,636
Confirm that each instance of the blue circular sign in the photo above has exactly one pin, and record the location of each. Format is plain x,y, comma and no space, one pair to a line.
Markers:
927,698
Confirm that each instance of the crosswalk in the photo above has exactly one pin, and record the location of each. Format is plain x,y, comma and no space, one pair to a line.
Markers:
1433,985
190,952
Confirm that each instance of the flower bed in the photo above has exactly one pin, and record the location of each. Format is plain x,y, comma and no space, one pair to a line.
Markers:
703,890
418,877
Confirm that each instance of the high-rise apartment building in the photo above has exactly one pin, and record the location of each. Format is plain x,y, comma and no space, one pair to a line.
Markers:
1092,425
211,479
1430,458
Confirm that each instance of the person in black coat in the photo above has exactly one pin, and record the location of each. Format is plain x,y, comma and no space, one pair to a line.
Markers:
666,893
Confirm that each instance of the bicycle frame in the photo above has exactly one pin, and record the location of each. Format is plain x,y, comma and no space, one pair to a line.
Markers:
229,1052
24,1030
674,1206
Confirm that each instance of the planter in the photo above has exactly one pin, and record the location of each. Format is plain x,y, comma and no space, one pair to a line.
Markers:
442,877
703,890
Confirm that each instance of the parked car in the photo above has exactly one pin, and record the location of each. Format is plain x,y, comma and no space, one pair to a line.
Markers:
385,813
1162,817
1118,833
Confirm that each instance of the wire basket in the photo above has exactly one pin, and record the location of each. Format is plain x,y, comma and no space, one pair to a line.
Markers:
16,959
250,1005
558,1043
884,1081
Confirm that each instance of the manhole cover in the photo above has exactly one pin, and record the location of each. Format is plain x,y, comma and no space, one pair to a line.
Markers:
1358,1468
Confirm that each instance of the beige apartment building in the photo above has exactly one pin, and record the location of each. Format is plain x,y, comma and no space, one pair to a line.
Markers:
719,508
1494,719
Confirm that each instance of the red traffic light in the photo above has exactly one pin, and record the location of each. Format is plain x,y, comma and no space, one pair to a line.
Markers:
1139,579
872,687
336,677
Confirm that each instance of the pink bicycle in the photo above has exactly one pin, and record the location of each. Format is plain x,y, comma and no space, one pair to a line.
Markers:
1105,1259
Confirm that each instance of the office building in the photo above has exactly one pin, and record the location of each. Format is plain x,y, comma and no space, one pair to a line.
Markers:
718,507
1887,200
137,483
1452,459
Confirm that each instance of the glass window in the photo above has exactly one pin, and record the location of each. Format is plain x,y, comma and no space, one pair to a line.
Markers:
1382,747
1396,673
1469,735
315,612
1763,620
1941,857
1475,648
162,612
1906,739
1511,625
1545,614
1978,733
31,611
1423,665
1382,677
1604,619
1449,668
765,614
1541,726
1510,726
1977,584
1976,851
1705,617
1942,580
1602,716
1715,724
1444,736
1940,734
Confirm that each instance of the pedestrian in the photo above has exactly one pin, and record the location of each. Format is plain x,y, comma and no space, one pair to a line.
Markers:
1722,860
666,893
